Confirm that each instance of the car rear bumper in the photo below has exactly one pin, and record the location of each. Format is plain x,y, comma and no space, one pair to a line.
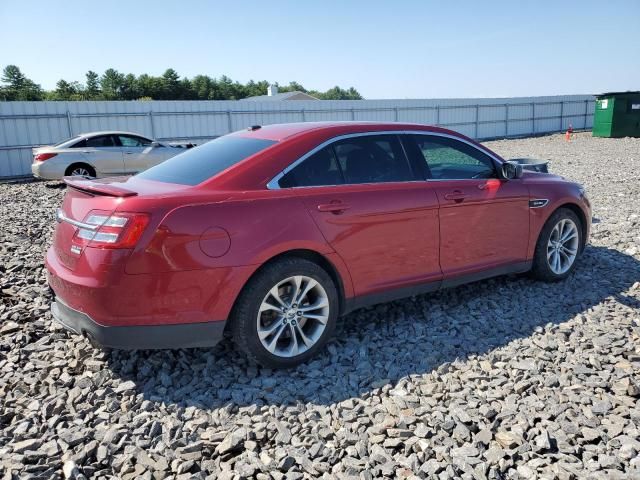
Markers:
47,171
184,335
98,287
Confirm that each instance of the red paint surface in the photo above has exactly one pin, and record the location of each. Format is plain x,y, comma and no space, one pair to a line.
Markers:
203,243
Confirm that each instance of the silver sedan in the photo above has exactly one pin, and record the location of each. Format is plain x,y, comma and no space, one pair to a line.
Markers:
100,154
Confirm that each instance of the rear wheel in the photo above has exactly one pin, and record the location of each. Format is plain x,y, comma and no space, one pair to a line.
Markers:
558,246
80,170
285,314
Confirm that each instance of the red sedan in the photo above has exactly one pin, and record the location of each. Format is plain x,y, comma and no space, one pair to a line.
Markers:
274,232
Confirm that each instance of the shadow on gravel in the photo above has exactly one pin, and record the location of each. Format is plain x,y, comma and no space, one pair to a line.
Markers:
382,344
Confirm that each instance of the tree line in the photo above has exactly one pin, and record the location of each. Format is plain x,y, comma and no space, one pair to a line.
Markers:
114,85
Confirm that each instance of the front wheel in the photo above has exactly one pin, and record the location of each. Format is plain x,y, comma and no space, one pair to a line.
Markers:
286,313
558,246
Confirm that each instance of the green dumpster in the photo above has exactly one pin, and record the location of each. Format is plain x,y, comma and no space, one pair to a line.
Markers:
617,114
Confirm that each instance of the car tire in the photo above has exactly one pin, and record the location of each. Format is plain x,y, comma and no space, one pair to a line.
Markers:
269,325
559,246
77,169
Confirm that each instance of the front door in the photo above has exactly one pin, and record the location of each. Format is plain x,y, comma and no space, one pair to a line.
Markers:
139,153
362,194
484,220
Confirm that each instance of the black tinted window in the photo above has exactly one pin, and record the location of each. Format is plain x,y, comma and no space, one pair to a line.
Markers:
198,164
449,159
320,168
100,141
372,159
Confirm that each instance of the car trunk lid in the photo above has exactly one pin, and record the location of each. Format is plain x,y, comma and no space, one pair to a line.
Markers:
111,187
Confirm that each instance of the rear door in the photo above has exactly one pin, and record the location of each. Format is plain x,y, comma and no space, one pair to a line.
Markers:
484,220
363,195
139,153
102,152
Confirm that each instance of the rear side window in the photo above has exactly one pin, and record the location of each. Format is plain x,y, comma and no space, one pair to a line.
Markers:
198,164
373,159
365,159
321,168
100,141
449,159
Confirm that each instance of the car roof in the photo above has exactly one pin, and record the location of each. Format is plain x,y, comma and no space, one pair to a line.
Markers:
278,132
293,140
109,132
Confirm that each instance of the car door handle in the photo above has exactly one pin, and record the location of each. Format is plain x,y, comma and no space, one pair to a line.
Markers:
128,153
333,207
456,196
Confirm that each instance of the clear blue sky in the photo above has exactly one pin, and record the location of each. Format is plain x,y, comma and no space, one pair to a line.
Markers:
391,49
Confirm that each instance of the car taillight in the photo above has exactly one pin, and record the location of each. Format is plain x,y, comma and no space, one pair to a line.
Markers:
118,230
41,157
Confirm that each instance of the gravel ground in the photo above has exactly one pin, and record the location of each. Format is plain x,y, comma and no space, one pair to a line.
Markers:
507,378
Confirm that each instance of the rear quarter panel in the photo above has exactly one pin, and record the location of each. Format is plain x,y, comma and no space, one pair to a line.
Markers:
260,225
55,167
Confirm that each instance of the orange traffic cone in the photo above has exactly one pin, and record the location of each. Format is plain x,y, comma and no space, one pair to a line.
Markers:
569,134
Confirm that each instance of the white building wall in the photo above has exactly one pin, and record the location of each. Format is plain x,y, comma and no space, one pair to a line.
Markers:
24,125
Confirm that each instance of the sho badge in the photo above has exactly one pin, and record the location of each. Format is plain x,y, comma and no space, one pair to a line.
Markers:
538,203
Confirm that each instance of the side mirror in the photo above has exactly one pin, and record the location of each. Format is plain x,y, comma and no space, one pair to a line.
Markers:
155,144
511,170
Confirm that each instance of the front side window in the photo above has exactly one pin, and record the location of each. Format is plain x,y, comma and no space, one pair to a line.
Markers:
131,141
201,163
449,159
100,141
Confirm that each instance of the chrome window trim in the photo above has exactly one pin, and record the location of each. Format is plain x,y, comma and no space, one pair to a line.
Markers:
61,217
273,183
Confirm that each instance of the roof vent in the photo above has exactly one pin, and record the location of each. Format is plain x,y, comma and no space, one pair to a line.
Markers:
272,90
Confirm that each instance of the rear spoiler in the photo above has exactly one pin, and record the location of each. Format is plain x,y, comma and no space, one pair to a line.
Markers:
97,188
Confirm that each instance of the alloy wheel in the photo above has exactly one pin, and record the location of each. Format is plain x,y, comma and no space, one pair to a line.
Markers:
292,316
80,172
562,247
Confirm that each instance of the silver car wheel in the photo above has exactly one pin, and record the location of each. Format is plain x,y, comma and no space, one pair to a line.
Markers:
80,172
562,248
293,316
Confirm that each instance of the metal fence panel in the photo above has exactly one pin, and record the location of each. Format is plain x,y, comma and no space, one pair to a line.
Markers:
492,130
24,125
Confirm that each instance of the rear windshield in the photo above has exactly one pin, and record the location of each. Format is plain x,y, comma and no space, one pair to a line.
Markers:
201,163
66,140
